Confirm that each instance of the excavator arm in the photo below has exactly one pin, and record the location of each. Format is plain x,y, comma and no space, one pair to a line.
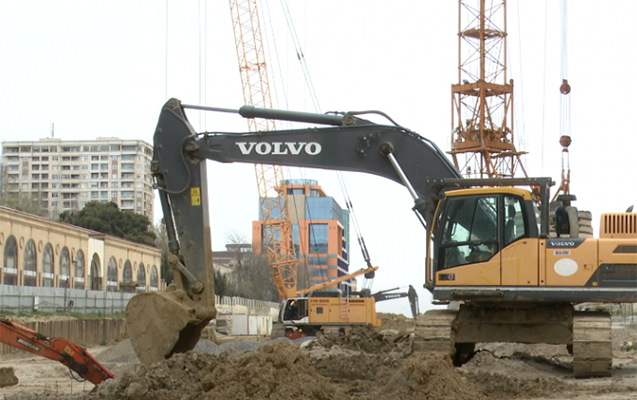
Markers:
369,273
164,323
391,294
57,349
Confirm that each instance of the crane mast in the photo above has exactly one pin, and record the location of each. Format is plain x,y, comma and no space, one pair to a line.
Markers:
277,228
482,100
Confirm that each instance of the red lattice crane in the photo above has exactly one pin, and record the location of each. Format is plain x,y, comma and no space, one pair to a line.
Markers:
277,228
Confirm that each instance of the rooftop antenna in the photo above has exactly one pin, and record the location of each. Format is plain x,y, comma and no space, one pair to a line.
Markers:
52,130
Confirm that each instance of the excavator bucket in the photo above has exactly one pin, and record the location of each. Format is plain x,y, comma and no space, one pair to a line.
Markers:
7,377
163,323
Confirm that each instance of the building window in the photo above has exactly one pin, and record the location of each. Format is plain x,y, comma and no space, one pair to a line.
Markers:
111,275
141,278
127,276
47,266
30,264
79,270
318,238
317,260
154,279
64,267
10,262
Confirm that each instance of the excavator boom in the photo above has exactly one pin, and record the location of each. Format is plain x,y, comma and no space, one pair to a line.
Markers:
163,323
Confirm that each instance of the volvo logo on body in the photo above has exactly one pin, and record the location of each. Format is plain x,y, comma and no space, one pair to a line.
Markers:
279,148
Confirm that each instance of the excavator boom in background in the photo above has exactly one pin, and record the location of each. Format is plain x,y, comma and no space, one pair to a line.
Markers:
488,241
75,357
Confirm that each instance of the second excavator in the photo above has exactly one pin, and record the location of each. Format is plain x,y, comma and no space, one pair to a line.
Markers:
487,240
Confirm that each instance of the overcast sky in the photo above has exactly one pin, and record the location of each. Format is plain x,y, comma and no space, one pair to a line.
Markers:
105,68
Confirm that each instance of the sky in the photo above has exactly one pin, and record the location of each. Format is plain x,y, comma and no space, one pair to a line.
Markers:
105,68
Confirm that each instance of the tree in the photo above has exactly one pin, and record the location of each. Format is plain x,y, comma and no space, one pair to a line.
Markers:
223,285
251,270
109,219
161,242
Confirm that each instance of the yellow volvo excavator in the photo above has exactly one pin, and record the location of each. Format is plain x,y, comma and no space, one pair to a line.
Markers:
487,240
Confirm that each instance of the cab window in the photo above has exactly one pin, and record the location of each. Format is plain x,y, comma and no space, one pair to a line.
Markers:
469,231
514,225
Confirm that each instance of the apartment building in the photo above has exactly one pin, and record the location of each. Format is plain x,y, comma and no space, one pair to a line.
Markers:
57,175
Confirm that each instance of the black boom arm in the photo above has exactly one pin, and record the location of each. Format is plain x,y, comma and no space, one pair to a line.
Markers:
354,145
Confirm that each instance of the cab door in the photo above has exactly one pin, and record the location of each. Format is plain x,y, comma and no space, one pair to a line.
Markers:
467,252
520,253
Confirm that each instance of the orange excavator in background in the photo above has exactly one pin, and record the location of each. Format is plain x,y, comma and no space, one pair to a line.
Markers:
75,357
304,312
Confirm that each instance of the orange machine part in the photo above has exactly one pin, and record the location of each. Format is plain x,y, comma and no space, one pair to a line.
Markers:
57,349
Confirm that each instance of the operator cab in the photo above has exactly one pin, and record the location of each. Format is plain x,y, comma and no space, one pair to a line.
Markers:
294,310
475,225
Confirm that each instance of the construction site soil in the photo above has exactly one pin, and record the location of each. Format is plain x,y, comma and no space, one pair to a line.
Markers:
363,364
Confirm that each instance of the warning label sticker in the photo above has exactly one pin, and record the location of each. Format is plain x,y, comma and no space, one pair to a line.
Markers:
195,196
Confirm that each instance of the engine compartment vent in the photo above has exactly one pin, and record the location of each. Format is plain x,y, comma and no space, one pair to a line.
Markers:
618,226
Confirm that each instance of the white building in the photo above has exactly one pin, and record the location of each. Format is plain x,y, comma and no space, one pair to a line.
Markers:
59,175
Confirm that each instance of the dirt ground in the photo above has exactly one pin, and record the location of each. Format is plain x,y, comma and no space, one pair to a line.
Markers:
364,364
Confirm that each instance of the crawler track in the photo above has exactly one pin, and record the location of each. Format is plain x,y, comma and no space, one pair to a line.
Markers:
592,345
434,331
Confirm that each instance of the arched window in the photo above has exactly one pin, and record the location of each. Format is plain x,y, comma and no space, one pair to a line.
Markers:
127,277
10,262
79,270
111,275
47,266
141,278
65,263
154,279
30,264
96,279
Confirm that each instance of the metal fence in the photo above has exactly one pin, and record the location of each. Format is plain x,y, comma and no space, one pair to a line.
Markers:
19,299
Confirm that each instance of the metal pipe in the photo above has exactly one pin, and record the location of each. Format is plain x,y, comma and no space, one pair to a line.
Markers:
207,108
285,115
402,176
270,113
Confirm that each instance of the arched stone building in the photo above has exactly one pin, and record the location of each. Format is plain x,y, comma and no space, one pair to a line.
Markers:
39,252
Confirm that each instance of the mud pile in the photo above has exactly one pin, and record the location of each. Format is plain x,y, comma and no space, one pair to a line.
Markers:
277,370
377,376
397,322
368,340
428,376
516,375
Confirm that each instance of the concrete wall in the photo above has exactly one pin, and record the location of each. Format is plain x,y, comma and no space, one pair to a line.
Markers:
246,316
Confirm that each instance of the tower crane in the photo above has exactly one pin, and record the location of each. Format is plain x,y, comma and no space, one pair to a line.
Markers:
277,228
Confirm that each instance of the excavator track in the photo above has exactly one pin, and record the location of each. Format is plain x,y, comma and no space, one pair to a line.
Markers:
435,331
592,345
278,331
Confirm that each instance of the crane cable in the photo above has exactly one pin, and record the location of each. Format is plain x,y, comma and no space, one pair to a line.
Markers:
565,101
546,11
315,102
